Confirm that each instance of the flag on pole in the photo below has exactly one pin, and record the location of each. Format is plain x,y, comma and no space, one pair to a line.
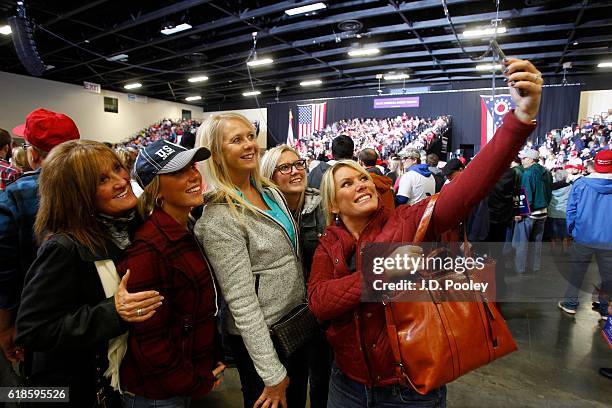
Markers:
311,118
492,114
290,140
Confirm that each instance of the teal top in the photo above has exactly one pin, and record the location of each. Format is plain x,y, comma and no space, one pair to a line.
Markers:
278,214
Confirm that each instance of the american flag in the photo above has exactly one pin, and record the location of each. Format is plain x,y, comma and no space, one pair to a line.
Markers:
311,118
492,114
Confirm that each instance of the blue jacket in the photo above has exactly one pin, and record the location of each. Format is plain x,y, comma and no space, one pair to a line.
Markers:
588,210
18,208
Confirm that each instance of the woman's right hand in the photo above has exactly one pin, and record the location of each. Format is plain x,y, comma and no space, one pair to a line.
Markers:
135,307
274,397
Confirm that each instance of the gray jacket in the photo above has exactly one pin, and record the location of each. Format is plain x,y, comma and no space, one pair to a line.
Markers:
239,251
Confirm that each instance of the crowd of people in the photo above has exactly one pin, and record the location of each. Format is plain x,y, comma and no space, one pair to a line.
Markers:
388,136
166,129
137,301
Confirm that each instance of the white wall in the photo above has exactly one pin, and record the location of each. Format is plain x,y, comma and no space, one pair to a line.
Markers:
594,103
23,94
259,115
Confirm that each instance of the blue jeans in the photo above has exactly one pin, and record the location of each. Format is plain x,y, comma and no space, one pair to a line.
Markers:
581,258
346,393
525,231
136,401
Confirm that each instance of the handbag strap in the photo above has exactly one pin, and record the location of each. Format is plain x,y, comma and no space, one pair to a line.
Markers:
424,224
395,346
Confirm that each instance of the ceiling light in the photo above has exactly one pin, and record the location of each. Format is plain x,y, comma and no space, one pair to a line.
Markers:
119,57
193,98
258,62
177,29
575,43
198,78
312,82
251,93
133,85
379,76
488,67
604,65
395,77
6,30
363,52
305,9
483,32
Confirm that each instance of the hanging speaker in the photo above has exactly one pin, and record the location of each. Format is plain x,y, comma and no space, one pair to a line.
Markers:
23,40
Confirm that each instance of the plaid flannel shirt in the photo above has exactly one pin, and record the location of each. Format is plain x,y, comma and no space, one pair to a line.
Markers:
8,174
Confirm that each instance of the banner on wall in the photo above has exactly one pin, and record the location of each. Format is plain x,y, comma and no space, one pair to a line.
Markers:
311,118
137,98
492,114
399,102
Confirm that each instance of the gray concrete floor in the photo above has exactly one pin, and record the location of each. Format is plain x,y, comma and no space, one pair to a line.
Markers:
556,365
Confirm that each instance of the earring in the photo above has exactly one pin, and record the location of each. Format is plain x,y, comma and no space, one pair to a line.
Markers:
336,219
159,201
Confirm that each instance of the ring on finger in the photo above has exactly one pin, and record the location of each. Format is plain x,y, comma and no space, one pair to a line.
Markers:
139,312
538,76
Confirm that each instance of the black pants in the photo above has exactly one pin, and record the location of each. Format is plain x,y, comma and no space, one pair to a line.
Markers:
252,385
495,241
319,368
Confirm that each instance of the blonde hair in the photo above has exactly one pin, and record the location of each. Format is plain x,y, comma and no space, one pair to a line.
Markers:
20,158
328,185
221,189
67,187
146,201
126,156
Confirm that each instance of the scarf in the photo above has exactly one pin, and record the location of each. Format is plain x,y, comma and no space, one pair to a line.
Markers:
118,228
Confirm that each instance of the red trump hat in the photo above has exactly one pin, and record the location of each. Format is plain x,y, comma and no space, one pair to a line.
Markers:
45,129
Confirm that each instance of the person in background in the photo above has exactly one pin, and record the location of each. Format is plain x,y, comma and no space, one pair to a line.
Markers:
417,182
283,166
342,148
555,222
537,182
19,159
8,172
127,157
253,245
173,356
364,373
395,169
432,161
452,169
42,131
65,319
384,187
367,158
589,223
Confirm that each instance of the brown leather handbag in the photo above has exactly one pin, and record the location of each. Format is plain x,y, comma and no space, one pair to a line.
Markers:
434,342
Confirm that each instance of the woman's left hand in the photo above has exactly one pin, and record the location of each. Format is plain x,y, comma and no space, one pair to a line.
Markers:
525,83
135,307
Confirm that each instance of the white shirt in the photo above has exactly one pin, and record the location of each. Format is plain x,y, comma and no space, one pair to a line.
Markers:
416,187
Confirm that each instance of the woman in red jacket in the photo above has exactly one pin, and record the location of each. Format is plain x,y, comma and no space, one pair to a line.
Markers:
363,374
173,356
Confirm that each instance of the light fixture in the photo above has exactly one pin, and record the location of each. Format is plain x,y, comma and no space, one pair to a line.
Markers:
488,67
177,29
251,93
575,43
6,30
198,78
305,9
483,32
193,98
311,82
118,57
395,77
363,52
133,85
607,64
258,62
379,76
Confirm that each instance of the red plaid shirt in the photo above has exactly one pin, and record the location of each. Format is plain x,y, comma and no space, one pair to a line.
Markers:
174,352
8,174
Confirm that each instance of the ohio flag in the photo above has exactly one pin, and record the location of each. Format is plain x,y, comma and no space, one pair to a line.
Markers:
492,114
311,118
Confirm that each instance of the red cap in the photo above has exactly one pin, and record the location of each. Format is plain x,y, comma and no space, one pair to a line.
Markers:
603,161
45,129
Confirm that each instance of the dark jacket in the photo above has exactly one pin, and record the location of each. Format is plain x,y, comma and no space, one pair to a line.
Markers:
316,175
357,331
500,199
66,320
537,182
18,208
311,222
174,352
